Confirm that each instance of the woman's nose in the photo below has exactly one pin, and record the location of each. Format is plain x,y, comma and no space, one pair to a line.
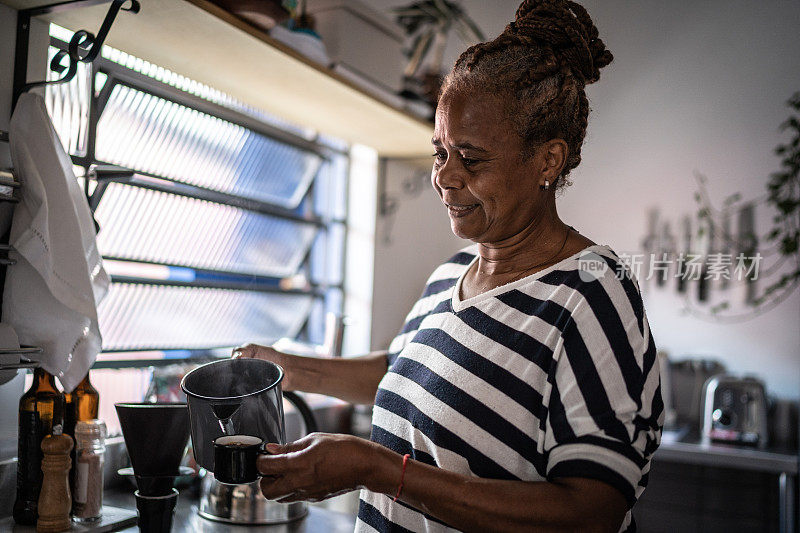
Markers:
447,176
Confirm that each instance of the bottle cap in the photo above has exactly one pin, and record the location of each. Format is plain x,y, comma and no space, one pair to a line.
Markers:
90,429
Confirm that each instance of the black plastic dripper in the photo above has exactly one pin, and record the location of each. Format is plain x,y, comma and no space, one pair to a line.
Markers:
155,435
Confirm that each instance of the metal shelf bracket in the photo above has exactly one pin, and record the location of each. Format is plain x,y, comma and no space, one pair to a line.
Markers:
83,47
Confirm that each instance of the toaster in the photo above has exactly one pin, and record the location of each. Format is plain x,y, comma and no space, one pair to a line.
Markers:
734,410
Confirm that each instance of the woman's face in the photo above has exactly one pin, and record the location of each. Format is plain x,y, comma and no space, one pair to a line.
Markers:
490,188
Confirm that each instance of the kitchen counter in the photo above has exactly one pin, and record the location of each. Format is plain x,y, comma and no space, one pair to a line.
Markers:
687,448
324,517
319,519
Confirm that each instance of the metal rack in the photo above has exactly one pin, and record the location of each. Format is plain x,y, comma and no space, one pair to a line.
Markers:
24,361
84,47
24,352
7,181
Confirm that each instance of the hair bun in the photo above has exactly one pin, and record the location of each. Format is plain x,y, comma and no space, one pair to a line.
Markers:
567,29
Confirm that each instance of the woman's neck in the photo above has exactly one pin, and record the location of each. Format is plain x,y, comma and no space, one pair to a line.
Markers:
537,244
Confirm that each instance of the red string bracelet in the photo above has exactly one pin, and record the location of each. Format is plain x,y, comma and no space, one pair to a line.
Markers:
402,476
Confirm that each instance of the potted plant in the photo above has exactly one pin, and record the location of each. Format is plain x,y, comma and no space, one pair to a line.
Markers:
427,24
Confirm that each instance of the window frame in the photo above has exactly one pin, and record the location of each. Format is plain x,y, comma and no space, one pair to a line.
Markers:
101,173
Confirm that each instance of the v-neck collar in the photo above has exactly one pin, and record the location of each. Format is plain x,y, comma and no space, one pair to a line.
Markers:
459,304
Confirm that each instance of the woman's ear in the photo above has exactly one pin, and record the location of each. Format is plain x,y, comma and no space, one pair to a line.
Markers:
554,155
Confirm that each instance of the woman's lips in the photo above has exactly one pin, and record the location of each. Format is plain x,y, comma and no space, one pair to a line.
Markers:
460,210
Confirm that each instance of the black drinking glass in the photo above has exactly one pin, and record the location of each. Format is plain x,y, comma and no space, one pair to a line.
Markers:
155,512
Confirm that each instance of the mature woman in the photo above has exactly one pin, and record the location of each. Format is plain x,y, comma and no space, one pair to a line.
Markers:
523,391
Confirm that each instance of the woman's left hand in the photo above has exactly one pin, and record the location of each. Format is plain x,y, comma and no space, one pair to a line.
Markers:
314,468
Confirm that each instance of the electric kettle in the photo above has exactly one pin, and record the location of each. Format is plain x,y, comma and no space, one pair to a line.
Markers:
239,397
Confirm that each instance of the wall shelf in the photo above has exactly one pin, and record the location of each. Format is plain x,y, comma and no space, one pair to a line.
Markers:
199,40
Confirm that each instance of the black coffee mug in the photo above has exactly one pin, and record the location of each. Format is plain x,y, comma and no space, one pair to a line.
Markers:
235,458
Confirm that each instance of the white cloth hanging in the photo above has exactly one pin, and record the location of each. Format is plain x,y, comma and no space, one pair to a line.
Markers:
51,294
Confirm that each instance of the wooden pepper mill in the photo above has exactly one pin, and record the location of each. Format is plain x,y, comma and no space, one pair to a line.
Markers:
55,500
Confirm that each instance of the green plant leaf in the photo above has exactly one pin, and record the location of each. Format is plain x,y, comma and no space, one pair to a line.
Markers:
732,199
792,123
786,206
789,244
722,306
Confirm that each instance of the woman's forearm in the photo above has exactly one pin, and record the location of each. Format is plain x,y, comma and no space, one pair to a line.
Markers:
352,379
479,504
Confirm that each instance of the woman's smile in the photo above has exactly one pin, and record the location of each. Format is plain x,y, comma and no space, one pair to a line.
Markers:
461,210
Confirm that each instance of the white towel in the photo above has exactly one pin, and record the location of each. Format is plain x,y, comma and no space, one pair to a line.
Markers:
51,294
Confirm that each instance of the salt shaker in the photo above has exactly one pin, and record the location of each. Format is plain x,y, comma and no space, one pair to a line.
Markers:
90,448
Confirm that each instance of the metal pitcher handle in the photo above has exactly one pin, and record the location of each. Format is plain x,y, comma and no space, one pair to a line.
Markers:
305,410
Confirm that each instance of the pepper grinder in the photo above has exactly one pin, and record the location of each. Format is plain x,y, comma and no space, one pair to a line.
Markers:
55,500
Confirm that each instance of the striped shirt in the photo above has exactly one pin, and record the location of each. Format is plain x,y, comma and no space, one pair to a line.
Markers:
553,375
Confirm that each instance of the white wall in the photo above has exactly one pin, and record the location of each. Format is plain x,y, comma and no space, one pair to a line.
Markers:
410,242
695,86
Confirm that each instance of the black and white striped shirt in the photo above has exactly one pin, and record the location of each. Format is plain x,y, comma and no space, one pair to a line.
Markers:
553,375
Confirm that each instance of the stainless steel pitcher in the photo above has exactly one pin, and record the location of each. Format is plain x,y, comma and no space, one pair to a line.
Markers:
239,397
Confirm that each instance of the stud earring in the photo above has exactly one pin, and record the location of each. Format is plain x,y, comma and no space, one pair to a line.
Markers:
545,186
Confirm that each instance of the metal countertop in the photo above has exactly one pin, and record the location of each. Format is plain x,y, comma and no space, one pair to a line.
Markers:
689,449
186,519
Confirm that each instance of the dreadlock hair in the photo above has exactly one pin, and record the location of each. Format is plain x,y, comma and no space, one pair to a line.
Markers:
540,66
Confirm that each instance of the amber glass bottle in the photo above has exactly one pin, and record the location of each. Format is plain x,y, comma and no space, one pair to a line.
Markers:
82,405
40,408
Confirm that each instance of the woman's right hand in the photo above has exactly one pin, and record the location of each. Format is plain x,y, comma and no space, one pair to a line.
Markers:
256,351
